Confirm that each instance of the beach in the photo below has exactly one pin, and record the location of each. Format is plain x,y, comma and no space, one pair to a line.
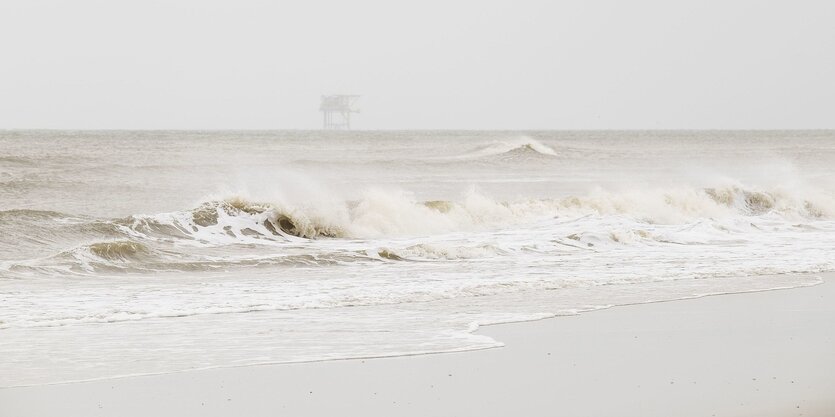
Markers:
556,209
755,354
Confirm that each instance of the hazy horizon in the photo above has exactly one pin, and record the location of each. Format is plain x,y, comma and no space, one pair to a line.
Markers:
602,65
360,130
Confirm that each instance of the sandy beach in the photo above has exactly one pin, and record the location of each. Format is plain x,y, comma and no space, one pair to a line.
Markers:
756,354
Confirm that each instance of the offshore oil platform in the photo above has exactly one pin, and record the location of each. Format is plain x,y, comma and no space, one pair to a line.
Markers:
336,111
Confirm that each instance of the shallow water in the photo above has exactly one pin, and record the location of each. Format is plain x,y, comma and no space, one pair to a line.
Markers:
142,252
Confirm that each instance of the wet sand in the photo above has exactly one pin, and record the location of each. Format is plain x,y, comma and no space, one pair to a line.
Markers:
757,354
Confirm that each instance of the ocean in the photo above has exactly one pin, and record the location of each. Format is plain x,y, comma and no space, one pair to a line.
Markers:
142,252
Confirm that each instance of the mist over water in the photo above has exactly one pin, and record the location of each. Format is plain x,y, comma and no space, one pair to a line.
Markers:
234,248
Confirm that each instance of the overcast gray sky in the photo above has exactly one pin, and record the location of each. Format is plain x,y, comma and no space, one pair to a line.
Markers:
600,64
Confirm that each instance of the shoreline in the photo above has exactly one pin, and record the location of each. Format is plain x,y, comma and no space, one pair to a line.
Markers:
478,329
627,352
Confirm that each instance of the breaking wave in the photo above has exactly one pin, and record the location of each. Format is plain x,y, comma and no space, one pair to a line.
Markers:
393,226
678,205
379,213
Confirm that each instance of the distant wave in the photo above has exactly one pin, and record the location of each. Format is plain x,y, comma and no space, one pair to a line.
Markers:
16,160
31,214
511,148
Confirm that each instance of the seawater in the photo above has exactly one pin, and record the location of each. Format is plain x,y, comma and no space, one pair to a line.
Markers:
137,252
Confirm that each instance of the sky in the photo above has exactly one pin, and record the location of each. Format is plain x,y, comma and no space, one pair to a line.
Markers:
248,64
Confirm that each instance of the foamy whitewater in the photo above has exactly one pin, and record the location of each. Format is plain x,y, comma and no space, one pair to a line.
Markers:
125,253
